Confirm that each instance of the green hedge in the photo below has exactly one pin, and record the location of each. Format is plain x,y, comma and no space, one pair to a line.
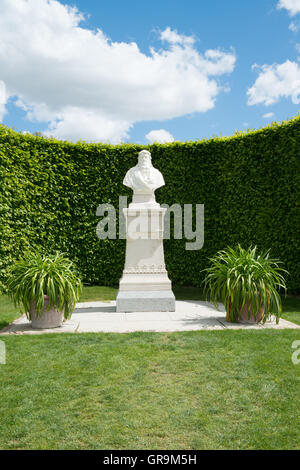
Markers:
249,184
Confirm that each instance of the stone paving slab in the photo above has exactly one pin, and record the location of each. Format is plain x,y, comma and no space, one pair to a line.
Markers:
22,326
102,317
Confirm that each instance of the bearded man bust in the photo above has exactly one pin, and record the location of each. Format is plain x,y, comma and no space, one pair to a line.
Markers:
144,178
144,286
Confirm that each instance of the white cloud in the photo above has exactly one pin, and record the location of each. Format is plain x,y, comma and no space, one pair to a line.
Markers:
292,6
173,37
3,99
274,82
86,124
86,86
294,26
268,115
160,135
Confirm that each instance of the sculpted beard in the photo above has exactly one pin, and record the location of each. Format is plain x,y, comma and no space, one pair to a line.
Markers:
145,168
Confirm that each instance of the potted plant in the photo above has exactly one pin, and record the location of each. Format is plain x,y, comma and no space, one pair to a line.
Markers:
47,287
247,283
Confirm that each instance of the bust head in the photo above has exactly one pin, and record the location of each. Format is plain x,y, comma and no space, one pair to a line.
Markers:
144,178
144,159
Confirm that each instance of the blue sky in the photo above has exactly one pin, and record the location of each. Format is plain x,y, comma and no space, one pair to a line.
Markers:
58,80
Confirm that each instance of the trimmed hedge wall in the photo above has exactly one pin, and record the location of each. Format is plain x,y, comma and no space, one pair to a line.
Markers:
249,184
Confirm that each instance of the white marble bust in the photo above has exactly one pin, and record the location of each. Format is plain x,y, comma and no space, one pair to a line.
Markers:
144,178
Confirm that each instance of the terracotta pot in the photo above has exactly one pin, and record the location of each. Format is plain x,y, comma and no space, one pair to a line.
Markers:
48,318
248,317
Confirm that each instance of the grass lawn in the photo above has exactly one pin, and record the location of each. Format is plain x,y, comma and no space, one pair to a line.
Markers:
291,309
8,312
187,390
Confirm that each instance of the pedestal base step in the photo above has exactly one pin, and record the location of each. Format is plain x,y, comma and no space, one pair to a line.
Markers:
146,301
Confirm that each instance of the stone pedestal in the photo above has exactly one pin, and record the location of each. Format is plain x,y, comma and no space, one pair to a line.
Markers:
145,286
